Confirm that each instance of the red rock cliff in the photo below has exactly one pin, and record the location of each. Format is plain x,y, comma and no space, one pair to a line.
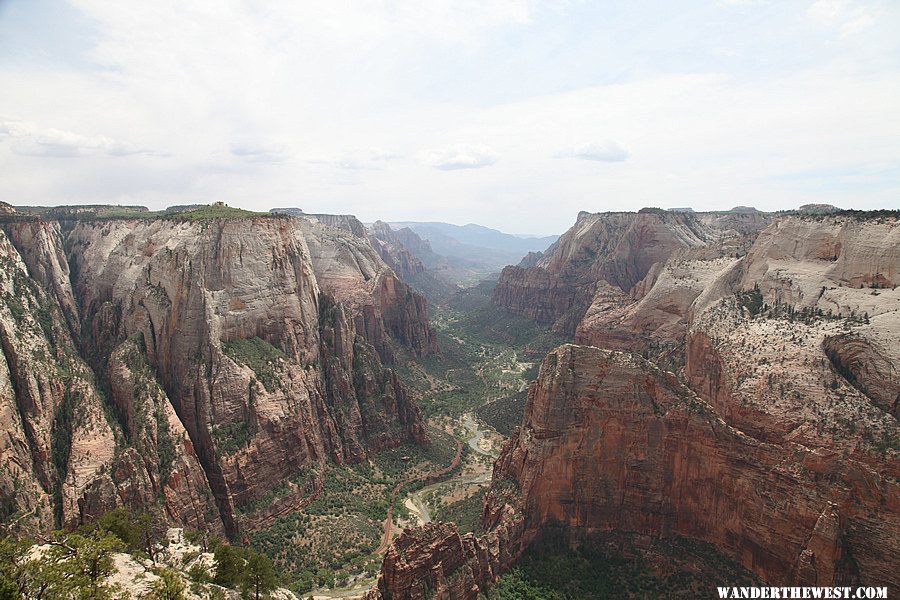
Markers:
220,344
611,442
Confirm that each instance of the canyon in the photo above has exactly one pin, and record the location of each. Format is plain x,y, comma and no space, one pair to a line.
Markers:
727,378
733,381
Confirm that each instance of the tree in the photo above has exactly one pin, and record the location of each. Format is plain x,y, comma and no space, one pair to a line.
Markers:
169,586
80,565
8,589
229,566
259,576
13,568
140,532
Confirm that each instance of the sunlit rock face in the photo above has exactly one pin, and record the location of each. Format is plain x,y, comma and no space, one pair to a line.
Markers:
231,353
615,251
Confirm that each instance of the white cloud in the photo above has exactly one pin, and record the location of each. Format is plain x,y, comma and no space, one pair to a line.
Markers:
848,17
29,139
460,156
357,159
606,151
260,153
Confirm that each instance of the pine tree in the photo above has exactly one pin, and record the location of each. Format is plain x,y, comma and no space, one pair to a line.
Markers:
259,577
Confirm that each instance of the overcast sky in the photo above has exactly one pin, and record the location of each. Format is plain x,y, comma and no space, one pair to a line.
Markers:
514,114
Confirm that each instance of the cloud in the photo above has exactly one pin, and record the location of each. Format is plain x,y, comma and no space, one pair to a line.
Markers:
710,103
28,139
371,159
745,2
357,159
848,18
605,151
260,153
460,156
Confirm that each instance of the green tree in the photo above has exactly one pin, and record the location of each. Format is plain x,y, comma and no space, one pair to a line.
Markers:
8,589
13,568
229,566
79,566
141,532
259,576
169,586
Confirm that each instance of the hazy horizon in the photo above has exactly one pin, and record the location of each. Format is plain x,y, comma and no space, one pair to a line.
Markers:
512,114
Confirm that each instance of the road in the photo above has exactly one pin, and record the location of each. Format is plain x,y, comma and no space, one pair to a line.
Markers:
416,500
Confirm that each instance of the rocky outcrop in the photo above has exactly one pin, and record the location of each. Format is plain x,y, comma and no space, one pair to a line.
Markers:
405,252
393,252
531,259
348,223
787,345
618,250
868,366
350,270
435,561
219,343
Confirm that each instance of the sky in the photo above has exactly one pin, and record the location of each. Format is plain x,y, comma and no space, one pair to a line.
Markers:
514,114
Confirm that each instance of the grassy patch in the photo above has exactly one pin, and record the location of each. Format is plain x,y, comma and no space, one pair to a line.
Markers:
214,211
466,513
258,354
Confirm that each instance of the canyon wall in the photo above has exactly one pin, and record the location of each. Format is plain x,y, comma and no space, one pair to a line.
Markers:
615,251
201,362
764,423
610,442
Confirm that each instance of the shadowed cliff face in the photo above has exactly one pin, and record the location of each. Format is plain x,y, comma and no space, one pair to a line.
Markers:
610,442
220,344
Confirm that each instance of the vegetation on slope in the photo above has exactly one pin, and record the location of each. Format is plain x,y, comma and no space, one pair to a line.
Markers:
332,539
504,414
672,568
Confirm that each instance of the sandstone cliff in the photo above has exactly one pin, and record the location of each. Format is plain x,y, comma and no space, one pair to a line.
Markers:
614,250
611,442
770,431
402,251
210,346
394,252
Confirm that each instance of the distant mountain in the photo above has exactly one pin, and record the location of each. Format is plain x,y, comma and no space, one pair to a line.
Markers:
470,252
478,235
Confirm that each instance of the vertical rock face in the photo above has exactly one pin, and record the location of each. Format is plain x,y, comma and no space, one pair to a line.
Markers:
611,442
218,343
58,445
350,270
616,250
